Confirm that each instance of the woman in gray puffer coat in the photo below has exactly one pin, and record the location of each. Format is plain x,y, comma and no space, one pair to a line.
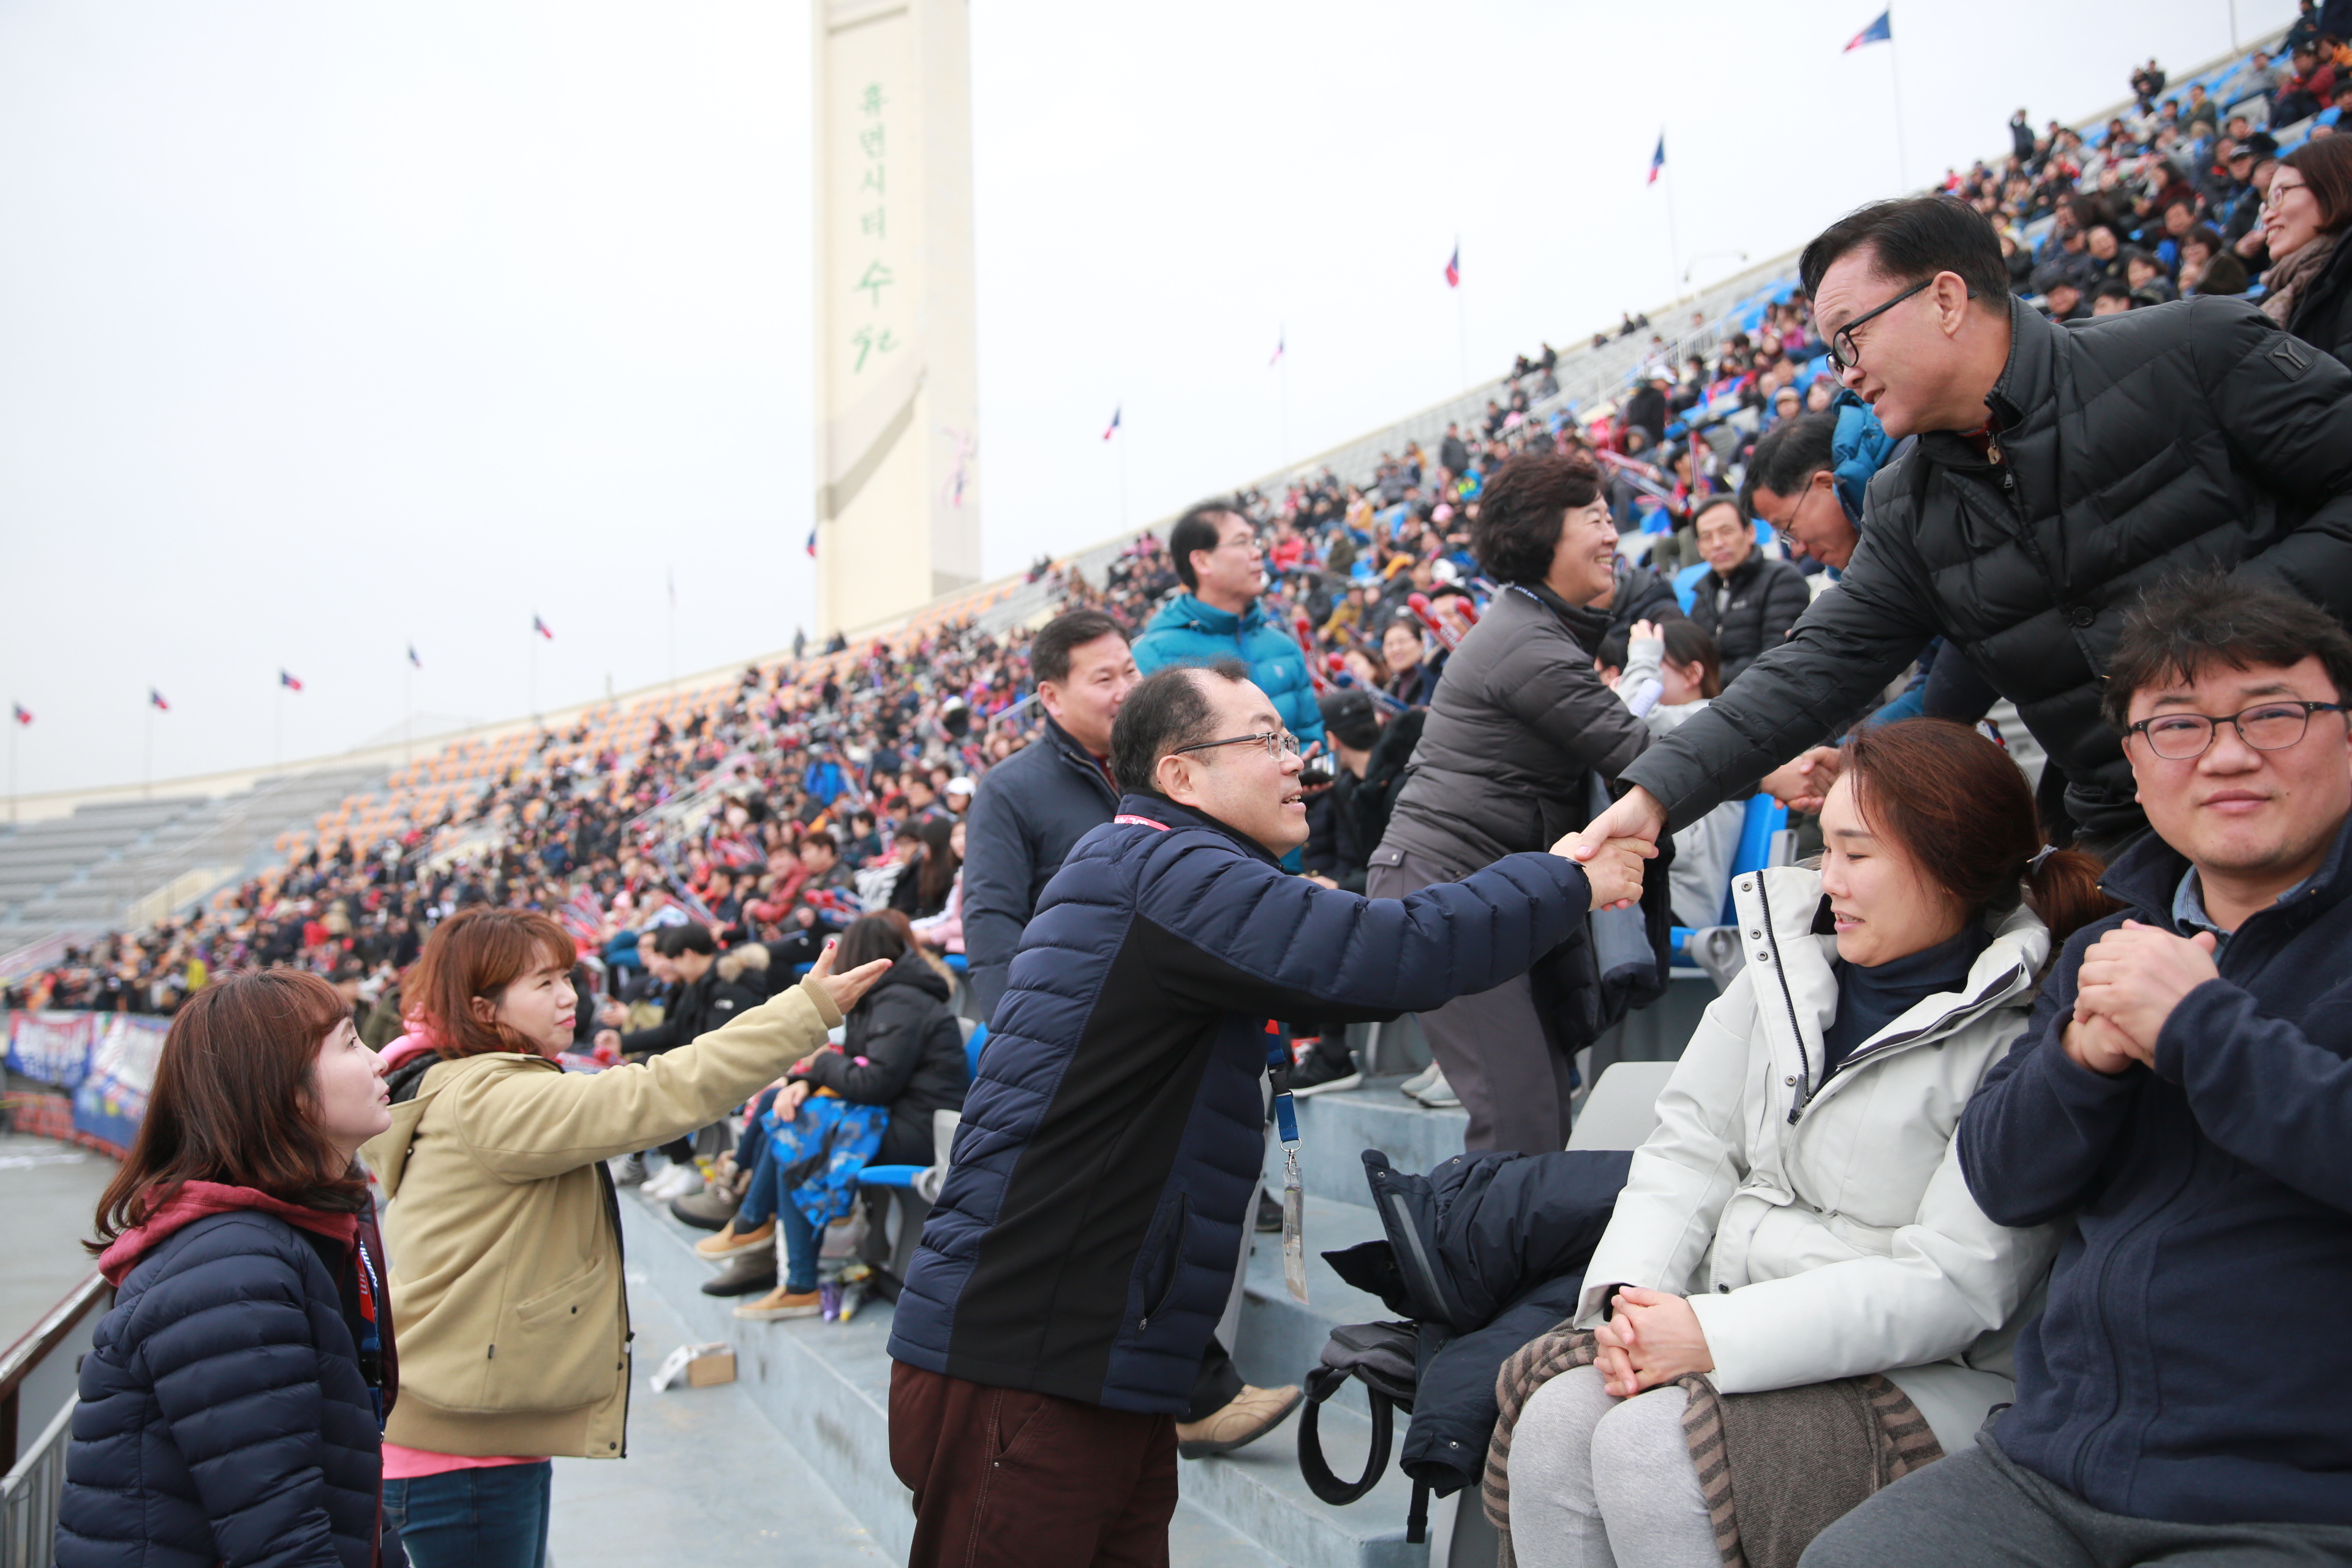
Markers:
1520,725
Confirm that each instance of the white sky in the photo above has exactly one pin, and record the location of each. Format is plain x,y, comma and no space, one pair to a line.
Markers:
325,330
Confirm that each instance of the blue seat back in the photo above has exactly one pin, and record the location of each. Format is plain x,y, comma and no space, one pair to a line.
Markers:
1765,816
973,1045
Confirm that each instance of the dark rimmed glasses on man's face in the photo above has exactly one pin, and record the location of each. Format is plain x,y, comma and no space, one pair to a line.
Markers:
1843,355
2265,727
1279,743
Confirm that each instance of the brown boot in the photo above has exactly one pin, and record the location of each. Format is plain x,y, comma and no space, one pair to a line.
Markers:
730,1241
1253,1413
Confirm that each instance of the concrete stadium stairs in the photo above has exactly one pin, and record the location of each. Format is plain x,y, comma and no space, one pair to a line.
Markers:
825,1387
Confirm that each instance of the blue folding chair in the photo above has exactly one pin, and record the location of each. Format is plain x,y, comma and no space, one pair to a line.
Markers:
904,1175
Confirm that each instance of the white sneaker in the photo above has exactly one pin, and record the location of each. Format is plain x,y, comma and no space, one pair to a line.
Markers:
1438,1096
678,1182
1411,1086
629,1171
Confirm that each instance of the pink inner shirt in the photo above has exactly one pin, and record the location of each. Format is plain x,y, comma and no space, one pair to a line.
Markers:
409,1464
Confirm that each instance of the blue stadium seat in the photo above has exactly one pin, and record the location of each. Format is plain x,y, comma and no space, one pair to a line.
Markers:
904,1175
973,1045
1686,583
1765,816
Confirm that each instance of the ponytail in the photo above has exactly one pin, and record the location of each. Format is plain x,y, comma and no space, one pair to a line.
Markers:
2061,887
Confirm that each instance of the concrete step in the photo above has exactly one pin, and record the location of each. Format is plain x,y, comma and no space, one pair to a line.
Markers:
1336,1126
826,1387
1281,1337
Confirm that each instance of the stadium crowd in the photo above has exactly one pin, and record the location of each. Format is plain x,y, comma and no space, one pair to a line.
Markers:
1480,687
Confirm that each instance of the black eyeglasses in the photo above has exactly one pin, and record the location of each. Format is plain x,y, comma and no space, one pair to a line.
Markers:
2266,727
1279,743
1842,352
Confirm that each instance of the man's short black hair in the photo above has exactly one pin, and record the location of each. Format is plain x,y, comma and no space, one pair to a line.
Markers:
1049,653
2112,289
691,937
1788,455
1164,711
2191,622
1516,530
1197,529
1913,239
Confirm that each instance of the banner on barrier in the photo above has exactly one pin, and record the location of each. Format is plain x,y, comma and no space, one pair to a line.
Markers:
52,1046
112,1098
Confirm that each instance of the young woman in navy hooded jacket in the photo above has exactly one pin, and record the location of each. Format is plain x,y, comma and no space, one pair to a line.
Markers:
232,1403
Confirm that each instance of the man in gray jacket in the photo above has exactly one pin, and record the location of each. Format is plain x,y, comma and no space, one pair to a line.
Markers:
2058,472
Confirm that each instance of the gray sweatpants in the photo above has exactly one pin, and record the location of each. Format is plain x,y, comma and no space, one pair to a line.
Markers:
1979,1509
1598,1482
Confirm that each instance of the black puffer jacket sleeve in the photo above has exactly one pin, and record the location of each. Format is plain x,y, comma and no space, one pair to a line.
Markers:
999,888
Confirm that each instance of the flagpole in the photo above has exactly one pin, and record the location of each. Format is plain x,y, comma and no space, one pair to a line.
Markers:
1895,73
1674,233
1462,327
147,762
277,724
673,628
408,710
1283,458
14,724
534,673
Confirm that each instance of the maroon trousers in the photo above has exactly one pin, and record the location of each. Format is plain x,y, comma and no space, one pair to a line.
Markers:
1002,1476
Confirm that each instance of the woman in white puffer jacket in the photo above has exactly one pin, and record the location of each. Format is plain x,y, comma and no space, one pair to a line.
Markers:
1799,1216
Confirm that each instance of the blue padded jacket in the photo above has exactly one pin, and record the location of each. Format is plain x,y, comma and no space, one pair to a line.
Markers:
1187,631
225,1417
1085,1240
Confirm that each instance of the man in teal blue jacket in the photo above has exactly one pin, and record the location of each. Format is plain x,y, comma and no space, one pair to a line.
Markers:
1217,617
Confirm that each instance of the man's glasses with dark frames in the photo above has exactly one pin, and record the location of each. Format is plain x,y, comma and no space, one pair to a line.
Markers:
1843,355
2265,727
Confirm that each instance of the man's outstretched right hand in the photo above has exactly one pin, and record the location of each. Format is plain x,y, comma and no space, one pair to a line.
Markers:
1613,870
1636,814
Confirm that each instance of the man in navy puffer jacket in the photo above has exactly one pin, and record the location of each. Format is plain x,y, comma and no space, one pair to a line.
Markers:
2185,1094
1085,1242
226,1414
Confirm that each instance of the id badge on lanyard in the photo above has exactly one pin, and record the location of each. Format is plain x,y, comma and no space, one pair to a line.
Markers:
1294,1197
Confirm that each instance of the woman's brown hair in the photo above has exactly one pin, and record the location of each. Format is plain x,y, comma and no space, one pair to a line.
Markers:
1962,809
480,952
236,1101
1687,644
935,873
2326,165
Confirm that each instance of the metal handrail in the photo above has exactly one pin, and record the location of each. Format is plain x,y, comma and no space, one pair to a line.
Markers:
20,1360
29,1496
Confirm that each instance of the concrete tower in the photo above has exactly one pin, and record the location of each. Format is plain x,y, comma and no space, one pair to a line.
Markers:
897,500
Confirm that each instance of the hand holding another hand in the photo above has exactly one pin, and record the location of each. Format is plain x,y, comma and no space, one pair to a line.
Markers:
1804,783
1635,816
1651,1339
1614,870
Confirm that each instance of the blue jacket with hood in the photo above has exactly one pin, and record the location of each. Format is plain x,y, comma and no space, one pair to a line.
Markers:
1187,631
1085,1240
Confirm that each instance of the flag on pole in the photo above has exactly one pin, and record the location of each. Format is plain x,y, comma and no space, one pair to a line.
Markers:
541,627
1657,159
415,662
1112,429
1879,32
1453,267
1280,338
812,543
18,712
288,682
155,700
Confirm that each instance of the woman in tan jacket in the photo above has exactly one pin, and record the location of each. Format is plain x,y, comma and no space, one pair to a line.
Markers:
503,1229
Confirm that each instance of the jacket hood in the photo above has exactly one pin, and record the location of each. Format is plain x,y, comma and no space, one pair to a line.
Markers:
914,969
415,1043
1184,610
192,1201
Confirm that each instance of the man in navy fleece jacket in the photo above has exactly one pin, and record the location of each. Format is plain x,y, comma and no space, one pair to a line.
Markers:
2184,1092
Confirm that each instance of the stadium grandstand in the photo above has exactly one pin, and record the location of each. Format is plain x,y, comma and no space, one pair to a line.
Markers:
701,800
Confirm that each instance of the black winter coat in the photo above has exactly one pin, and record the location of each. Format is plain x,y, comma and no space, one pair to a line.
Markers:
694,1010
1753,612
224,1416
2322,316
1641,596
913,1051
2181,435
1485,1253
1029,810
